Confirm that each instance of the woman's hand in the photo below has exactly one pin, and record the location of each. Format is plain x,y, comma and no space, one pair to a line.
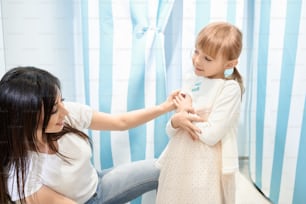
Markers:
170,102
184,121
183,102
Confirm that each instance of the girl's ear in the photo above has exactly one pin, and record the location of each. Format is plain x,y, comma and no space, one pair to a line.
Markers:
231,64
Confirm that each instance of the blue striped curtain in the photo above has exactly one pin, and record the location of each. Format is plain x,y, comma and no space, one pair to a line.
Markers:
276,100
124,69
134,53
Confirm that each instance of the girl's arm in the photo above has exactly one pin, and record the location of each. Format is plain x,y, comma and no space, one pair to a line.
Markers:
124,121
216,122
184,120
46,195
224,115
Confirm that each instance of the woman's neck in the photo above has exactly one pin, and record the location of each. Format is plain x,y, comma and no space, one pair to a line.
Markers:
42,145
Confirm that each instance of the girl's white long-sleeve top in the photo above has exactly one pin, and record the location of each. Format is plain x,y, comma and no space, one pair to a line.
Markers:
222,98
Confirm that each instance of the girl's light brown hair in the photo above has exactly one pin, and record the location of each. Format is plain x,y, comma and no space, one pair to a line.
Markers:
224,39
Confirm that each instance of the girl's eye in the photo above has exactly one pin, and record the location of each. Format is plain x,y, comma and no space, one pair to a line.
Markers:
195,52
207,59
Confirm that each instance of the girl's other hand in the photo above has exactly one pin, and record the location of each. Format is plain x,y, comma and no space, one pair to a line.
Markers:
203,113
184,121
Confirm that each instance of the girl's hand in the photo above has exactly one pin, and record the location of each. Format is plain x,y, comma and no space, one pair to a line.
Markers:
183,102
184,121
203,113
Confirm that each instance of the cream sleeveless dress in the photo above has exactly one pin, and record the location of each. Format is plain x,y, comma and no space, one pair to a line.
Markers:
191,170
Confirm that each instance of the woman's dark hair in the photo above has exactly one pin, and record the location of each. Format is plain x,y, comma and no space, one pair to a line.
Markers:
24,93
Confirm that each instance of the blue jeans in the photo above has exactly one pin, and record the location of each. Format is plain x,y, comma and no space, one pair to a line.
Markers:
125,182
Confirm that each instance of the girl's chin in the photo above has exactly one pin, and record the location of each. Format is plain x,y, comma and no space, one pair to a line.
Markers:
198,73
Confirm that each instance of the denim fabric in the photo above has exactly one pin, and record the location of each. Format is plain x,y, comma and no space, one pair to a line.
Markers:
125,182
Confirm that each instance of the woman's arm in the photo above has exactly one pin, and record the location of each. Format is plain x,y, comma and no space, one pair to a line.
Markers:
124,121
46,195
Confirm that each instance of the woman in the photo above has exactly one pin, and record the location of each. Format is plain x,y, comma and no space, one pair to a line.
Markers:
45,156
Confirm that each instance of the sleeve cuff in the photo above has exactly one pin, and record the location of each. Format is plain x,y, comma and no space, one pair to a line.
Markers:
171,130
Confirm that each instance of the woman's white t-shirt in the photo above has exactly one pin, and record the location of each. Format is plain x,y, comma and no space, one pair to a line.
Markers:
77,179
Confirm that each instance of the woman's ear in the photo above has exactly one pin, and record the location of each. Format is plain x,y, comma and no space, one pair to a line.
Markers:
231,64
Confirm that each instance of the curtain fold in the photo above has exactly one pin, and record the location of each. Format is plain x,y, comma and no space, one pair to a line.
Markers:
136,84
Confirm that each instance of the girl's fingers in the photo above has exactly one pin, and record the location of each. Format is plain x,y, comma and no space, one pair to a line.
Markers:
193,132
193,135
195,118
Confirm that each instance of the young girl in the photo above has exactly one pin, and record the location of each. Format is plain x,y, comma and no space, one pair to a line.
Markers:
45,156
199,164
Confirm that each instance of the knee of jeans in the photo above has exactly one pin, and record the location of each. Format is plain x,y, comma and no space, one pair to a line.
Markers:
130,181
130,193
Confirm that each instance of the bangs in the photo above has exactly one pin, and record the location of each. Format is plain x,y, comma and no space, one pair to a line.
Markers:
218,39
209,46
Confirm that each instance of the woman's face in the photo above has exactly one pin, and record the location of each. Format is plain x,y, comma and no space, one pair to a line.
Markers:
56,122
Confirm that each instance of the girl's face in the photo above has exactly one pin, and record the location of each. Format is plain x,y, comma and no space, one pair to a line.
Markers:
207,66
56,122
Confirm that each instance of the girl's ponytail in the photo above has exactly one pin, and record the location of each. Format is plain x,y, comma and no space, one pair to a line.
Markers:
237,77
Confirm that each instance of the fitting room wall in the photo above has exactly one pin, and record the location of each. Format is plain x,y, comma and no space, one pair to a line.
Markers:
39,33
2,62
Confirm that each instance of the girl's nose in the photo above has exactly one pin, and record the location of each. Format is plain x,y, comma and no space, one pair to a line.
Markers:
197,60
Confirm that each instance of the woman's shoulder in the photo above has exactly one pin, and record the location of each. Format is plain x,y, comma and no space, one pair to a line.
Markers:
69,105
79,115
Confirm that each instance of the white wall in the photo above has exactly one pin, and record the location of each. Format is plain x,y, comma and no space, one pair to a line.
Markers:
2,62
40,33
